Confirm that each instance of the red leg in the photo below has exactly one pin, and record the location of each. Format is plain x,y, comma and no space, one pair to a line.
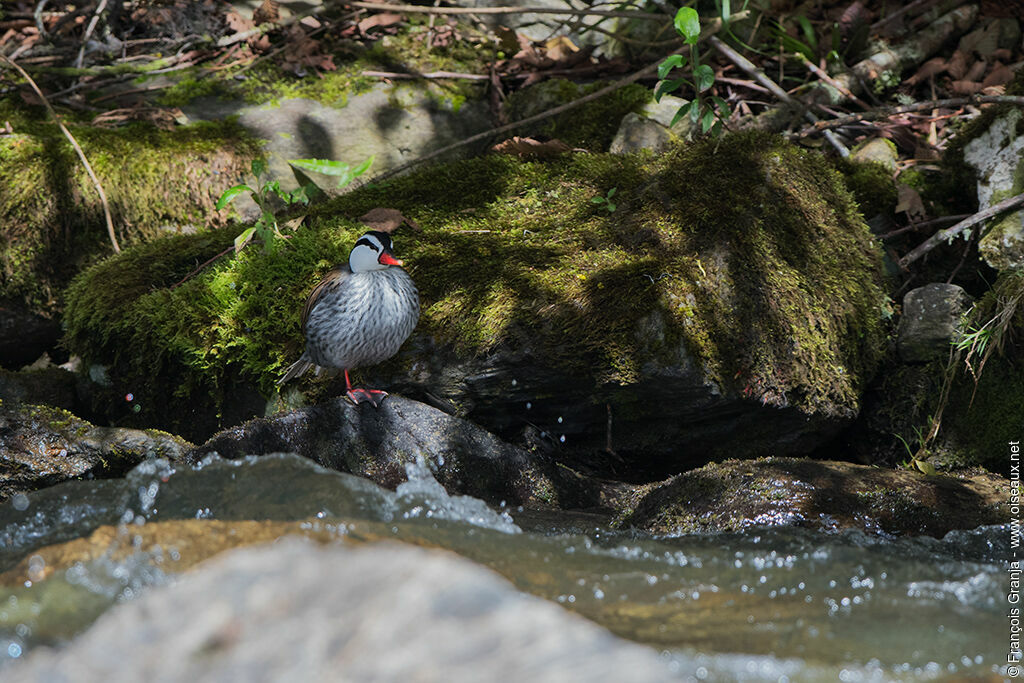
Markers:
357,396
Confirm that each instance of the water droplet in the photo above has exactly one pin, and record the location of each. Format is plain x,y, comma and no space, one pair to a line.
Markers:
129,397
136,408
20,501
514,383
562,438
559,419
14,650
528,405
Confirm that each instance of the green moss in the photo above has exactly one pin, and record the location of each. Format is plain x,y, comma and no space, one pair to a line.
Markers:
52,218
981,418
405,52
746,254
591,126
871,184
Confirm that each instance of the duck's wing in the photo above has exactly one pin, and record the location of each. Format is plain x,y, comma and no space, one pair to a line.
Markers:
334,279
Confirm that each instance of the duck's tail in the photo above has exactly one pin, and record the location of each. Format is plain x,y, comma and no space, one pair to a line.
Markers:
296,369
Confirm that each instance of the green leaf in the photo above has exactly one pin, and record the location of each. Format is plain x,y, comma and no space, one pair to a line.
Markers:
688,24
666,87
680,113
805,24
231,193
716,129
723,107
324,166
671,62
258,167
598,200
704,76
244,238
363,167
707,120
695,111
611,193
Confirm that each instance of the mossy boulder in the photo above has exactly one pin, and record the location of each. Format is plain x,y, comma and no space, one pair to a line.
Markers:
730,303
51,218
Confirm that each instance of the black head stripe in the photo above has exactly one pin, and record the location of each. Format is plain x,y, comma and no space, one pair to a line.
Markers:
382,237
368,243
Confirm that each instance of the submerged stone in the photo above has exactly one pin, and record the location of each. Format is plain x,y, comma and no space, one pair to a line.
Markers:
824,495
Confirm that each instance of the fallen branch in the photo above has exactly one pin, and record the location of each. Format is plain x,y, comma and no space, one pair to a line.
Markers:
430,75
758,75
78,150
201,266
819,126
950,233
419,9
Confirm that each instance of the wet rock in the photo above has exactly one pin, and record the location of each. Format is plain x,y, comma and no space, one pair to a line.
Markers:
292,611
40,446
377,444
932,316
997,155
823,495
25,336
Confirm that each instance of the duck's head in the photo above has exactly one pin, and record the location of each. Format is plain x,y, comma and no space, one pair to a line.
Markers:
372,252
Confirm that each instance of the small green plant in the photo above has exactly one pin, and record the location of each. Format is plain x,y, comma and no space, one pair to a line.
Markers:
266,227
708,111
918,457
606,201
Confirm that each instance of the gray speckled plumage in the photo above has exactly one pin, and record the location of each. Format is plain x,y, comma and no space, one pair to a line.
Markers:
354,319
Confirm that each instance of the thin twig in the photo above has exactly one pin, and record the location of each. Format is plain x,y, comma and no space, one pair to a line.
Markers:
88,32
914,227
78,150
758,75
823,75
949,233
572,11
201,266
908,108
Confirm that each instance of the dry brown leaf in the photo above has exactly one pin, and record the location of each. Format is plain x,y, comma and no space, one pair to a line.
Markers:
957,66
508,42
994,90
560,48
1000,75
266,13
965,87
386,220
933,67
237,23
976,71
382,20
528,148
909,201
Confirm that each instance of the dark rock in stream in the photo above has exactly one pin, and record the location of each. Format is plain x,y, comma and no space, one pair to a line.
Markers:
295,612
377,444
25,336
41,446
824,495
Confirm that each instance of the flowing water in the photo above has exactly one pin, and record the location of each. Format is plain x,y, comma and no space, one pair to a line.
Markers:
764,604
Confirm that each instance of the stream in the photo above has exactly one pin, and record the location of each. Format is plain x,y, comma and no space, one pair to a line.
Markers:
764,604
